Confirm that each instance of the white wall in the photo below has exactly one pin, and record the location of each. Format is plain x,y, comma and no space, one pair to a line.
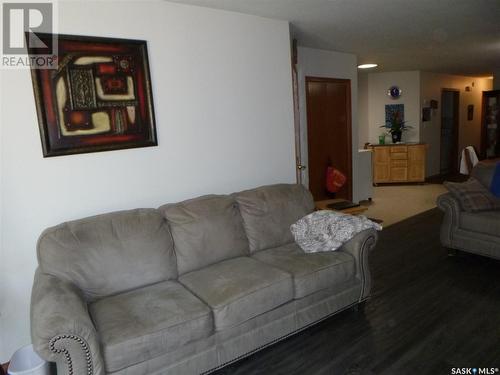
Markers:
223,100
363,125
469,132
329,64
378,84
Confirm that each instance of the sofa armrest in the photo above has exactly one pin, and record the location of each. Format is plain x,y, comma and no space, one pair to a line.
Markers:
451,208
61,328
359,247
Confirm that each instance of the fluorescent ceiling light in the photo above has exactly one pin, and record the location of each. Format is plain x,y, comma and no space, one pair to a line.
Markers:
367,66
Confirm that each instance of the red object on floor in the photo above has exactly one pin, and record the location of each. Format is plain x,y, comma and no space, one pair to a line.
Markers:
335,179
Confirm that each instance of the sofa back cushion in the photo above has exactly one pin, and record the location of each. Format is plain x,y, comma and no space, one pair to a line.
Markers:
473,196
205,230
110,253
268,212
483,172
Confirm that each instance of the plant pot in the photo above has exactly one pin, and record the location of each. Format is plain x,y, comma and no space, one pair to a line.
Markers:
396,137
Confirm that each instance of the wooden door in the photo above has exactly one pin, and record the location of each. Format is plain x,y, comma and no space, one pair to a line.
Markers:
381,164
450,111
416,163
328,133
490,130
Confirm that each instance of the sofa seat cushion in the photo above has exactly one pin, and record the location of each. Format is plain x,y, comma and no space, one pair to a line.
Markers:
311,272
487,222
239,289
147,322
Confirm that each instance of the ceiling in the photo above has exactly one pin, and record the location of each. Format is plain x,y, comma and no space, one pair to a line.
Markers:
446,36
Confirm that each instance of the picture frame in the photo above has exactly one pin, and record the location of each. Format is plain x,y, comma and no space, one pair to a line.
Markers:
394,110
426,114
470,112
99,98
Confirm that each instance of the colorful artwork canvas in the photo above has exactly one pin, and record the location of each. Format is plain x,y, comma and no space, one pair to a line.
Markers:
99,98
392,110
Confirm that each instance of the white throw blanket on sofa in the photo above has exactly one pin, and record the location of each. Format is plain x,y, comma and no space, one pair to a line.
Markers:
328,230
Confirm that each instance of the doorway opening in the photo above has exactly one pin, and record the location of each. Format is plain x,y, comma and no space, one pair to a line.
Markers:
328,103
450,105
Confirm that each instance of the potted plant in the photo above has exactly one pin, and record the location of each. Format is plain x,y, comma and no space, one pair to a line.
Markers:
396,126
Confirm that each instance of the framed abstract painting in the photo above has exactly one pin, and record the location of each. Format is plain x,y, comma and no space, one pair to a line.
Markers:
98,98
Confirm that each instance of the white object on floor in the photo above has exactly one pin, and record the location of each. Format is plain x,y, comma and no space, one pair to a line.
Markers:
328,230
464,169
26,362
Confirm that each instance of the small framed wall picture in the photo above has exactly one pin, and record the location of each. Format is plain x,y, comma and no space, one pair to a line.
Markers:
426,114
470,112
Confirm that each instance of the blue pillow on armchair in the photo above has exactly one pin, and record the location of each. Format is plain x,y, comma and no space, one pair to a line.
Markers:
495,182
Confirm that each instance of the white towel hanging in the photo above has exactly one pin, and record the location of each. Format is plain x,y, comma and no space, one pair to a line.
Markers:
464,168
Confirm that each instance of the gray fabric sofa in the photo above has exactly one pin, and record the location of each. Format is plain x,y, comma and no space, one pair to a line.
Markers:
188,287
473,232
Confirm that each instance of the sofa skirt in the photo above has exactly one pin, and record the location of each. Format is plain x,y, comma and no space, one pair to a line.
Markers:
232,344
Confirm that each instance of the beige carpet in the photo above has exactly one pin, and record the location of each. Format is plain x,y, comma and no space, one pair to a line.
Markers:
396,203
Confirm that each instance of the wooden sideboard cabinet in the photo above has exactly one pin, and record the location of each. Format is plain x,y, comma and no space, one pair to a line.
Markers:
399,163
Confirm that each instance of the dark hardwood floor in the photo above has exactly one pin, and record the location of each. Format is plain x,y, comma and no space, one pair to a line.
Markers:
428,313
439,179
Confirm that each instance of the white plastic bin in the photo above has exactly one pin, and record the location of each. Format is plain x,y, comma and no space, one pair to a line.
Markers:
26,362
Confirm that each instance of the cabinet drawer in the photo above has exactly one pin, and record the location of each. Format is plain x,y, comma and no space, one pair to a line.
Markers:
399,156
399,163
399,149
381,155
399,174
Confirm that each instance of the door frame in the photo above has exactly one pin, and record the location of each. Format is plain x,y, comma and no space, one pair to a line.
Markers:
456,130
296,112
309,79
484,104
